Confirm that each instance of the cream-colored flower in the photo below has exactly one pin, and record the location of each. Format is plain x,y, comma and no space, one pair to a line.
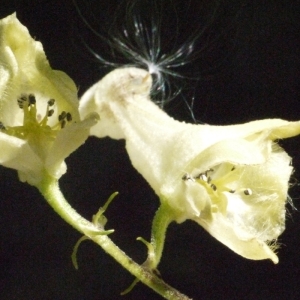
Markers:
232,180
39,120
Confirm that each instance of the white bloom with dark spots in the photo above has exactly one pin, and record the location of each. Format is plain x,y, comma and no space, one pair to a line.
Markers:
39,119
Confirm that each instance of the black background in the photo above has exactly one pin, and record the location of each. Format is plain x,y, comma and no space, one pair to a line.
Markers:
247,67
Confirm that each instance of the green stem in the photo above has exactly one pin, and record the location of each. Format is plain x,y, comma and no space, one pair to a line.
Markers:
162,219
50,190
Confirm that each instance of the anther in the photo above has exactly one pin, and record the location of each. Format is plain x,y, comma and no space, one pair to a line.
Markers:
31,99
187,177
232,191
50,112
69,117
62,116
213,187
247,192
51,102
21,100
2,126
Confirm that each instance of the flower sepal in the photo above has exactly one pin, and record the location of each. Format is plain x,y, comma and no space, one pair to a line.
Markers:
233,180
39,118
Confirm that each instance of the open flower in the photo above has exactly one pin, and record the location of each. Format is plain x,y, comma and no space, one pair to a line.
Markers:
39,119
232,180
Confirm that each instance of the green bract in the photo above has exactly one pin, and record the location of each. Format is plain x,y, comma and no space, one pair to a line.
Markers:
232,180
39,120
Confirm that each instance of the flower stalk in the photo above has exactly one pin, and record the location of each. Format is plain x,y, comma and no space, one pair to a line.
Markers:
162,219
49,188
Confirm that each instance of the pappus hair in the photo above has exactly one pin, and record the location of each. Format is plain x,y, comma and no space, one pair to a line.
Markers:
148,34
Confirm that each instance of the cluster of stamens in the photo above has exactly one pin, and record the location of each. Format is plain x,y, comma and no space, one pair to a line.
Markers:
32,121
30,101
64,117
24,100
206,178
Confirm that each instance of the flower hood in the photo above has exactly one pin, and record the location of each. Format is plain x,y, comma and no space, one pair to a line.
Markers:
39,120
232,180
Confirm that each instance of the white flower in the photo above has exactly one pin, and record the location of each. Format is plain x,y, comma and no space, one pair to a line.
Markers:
39,120
232,180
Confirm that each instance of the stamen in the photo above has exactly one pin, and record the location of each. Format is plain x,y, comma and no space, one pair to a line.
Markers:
186,176
63,124
248,192
21,100
51,102
62,116
69,117
219,183
213,187
34,122
31,99
50,112
202,177
2,127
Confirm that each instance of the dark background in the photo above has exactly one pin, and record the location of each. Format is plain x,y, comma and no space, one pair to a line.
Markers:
246,64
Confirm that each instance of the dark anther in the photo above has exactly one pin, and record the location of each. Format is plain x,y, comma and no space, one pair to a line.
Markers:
31,99
51,102
2,126
20,103
232,191
185,177
247,192
213,187
62,116
21,100
69,117
50,112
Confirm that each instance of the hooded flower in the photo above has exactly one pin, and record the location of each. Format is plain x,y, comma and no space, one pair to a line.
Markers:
39,119
232,180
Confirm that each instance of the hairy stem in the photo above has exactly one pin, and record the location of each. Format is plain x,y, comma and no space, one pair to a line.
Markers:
162,219
49,188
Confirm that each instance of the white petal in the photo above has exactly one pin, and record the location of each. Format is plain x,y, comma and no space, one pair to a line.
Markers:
244,244
67,141
234,151
16,154
24,69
